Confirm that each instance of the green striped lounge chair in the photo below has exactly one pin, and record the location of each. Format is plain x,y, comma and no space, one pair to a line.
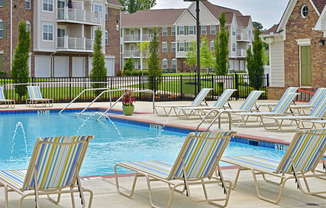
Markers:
35,96
53,169
8,103
313,101
196,164
186,112
299,163
279,109
170,110
270,106
316,113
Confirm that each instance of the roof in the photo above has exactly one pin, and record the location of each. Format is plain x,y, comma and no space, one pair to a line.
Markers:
319,4
114,2
272,30
243,20
153,17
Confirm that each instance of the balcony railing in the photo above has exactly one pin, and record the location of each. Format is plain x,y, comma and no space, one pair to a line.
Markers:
79,16
147,37
242,53
131,53
73,43
244,37
131,38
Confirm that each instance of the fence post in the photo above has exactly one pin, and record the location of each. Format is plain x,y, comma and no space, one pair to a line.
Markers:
181,97
267,77
139,84
236,80
257,82
70,88
196,85
213,87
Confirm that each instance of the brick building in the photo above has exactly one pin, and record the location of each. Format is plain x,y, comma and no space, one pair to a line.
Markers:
297,49
62,35
177,28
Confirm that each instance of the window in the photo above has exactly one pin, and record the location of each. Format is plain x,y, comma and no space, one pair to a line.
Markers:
150,32
47,32
174,63
173,31
1,29
164,64
173,47
164,47
106,37
304,11
1,3
98,9
106,13
27,4
164,31
234,30
181,46
191,30
212,29
48,5
181,30
234,47
1,62
203,30
28,26
212,45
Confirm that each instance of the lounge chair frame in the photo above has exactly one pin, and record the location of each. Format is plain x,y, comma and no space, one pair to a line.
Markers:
33,101
8,103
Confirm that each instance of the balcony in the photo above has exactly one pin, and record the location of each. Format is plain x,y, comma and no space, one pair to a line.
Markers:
147,37
131,38
79,16
131,53
75,44
242,53
244,37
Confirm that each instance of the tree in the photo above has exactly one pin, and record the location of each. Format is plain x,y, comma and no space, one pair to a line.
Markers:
191,55
143,48
99,71
133,6
154,67
221,45
129,66
206,56
255,61
19,71
258,26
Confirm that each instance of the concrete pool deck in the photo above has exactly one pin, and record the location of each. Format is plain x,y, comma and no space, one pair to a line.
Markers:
105,194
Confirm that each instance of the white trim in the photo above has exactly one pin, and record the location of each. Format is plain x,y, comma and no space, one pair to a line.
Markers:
48,11
304,42
302,11
1,52
300,65
313,5
49,24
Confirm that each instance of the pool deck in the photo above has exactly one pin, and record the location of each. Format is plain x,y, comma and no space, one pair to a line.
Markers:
105,194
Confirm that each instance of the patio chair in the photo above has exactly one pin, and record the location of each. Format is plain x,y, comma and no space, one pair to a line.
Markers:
55,163
279,110
35,96
313,101
195,165
186,112
316,114
168,109
270,106
8,103
299,162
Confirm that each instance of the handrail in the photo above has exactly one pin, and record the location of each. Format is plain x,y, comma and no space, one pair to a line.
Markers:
218,116
93,89
111,106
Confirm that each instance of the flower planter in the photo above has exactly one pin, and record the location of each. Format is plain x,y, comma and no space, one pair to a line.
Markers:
128,110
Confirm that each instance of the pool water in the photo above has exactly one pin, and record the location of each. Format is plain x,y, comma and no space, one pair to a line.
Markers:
114,141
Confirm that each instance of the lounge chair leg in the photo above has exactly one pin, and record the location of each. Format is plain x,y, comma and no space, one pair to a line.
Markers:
204,189
53,200
6,195
118,187
237,177
150,191
171,196
72,197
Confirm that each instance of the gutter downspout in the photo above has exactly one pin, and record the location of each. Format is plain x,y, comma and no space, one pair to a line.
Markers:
10,34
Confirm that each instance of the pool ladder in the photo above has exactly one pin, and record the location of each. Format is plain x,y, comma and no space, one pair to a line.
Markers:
218,116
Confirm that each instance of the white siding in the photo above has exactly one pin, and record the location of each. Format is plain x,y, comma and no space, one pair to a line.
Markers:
277,63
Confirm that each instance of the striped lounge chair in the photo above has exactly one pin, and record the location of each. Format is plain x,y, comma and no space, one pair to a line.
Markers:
35,96
8,103
316,113
168,109
270,106
198,160
313,101
186,112
299,162
55,163
279,110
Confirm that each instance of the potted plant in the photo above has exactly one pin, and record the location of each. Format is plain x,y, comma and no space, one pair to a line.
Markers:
128,103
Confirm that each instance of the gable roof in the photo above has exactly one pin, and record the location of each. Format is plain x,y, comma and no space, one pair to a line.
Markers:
114,2
319,4
153,17
243,20
271,30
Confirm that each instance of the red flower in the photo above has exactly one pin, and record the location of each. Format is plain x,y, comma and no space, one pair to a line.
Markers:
128,99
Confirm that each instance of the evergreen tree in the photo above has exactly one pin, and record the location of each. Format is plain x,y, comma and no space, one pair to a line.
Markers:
129,66
255,61
19,71
133,6
221,45
191,55
206,56
154,67
99,71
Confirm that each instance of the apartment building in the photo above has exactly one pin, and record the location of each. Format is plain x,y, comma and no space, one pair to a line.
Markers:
177,28
62,35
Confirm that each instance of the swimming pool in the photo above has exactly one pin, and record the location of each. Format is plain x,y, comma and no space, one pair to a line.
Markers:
114,141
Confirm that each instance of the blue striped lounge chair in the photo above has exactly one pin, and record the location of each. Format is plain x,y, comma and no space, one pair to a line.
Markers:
55,164
8,103
170,110
299,163
198,160
270,106
313,101
316,113
279,110
35,96
186,112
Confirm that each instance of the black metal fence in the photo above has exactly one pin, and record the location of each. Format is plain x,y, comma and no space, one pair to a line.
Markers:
169,88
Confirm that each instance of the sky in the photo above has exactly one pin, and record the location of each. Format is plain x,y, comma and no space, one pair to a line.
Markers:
267,12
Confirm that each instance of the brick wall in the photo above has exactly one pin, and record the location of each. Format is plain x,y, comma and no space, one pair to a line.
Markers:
169,55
